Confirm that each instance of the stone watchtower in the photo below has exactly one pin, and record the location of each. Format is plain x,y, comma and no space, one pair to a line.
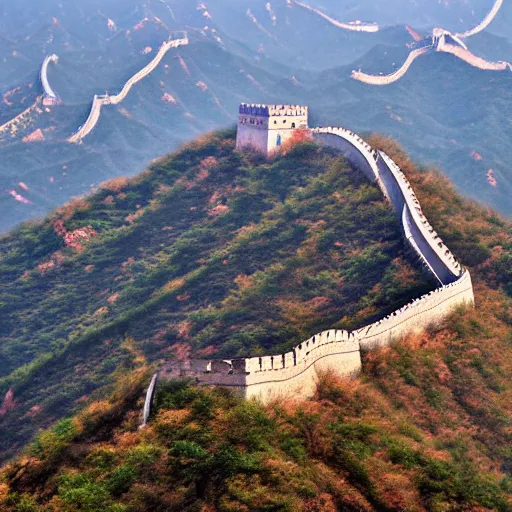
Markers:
267,127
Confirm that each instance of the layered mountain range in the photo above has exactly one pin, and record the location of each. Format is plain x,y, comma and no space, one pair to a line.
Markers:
444,111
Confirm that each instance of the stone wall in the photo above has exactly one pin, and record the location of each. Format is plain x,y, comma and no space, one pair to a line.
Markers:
419,314
356,151
254,136
432,249
100,101
380,167
269,377
396,75
296,373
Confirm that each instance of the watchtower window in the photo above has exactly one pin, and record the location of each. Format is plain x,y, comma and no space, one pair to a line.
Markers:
293,125
275,122
284,121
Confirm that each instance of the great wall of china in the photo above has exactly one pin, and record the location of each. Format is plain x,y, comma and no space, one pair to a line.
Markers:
393,77
485,22
23,119
13,126
445,42
295,374
473,59
50,98
99,101
355,26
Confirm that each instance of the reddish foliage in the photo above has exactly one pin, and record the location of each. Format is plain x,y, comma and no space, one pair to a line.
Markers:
183,329
207,164
181,351
73,239
35,136
491,178
169,98
8,403
207,351
319,302
220,209
115,185
19,197
56,260
299,136
34,411
77,237
202,86
113,298
243,281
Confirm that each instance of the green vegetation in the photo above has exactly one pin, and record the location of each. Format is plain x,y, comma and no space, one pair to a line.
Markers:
368,444
210,251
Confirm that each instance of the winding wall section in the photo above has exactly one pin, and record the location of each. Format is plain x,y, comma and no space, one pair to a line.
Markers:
485,22
11,127
48,91
150,394
393,77
99,101
357,26
473,59
296,373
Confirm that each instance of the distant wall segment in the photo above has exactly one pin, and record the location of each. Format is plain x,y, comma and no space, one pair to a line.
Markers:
296,373
99,101
50,98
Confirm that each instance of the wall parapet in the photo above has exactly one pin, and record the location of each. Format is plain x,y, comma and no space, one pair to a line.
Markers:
418,314
420,221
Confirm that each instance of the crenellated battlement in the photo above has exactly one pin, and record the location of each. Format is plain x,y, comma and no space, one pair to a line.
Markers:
271,376
272,110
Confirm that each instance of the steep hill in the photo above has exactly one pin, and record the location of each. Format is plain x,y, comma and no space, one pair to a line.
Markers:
210,251
425,427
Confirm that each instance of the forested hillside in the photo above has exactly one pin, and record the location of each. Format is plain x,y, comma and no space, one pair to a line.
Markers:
216,252
210,251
